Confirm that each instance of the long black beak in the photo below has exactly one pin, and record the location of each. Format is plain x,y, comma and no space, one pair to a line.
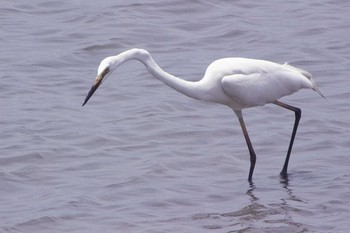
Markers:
92,91
97,83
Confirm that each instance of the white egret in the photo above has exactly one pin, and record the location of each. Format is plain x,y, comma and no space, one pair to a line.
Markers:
238,83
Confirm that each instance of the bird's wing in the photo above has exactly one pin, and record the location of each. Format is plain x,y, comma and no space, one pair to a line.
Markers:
259,88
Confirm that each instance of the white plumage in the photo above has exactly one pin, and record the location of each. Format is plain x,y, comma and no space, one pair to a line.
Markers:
235,82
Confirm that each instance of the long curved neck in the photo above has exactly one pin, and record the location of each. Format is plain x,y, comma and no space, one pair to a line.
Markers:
188,88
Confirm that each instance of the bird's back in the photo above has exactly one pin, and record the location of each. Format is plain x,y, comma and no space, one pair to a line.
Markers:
252,82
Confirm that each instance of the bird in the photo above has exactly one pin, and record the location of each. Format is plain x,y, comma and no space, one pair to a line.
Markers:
236,82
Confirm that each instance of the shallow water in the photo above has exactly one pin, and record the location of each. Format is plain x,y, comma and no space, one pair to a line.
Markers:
140,157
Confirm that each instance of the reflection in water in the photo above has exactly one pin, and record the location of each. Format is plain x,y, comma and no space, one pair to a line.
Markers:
284,181
250,192
278,215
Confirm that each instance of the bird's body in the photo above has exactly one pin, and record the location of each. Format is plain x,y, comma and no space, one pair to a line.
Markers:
242,83
235,82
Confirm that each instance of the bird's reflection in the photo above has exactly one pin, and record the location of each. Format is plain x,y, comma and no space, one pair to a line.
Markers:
285,184
276,203
250,192
284,181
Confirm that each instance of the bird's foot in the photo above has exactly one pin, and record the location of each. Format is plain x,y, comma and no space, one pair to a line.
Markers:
284,174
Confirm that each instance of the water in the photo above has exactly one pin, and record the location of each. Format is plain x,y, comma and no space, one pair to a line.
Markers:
140,157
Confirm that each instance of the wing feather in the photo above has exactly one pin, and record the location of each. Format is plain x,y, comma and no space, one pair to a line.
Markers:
257,89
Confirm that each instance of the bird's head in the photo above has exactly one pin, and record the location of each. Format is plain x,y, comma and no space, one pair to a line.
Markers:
109,64
103,71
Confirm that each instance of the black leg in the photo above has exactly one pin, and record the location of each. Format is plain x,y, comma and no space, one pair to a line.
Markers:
249,144
297,112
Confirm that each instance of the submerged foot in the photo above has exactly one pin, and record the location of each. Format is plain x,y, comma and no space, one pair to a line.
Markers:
284,174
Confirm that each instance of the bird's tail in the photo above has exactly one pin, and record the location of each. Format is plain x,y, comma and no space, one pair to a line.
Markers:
308,76
315,88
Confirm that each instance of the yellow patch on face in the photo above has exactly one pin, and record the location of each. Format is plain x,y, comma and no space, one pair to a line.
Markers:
100,77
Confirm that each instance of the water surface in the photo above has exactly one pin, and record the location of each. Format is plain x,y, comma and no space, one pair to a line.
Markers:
140,157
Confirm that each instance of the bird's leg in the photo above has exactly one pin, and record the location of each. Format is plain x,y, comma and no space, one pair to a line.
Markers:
249,144
297,112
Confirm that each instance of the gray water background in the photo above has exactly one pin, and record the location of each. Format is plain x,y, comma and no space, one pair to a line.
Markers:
140,157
